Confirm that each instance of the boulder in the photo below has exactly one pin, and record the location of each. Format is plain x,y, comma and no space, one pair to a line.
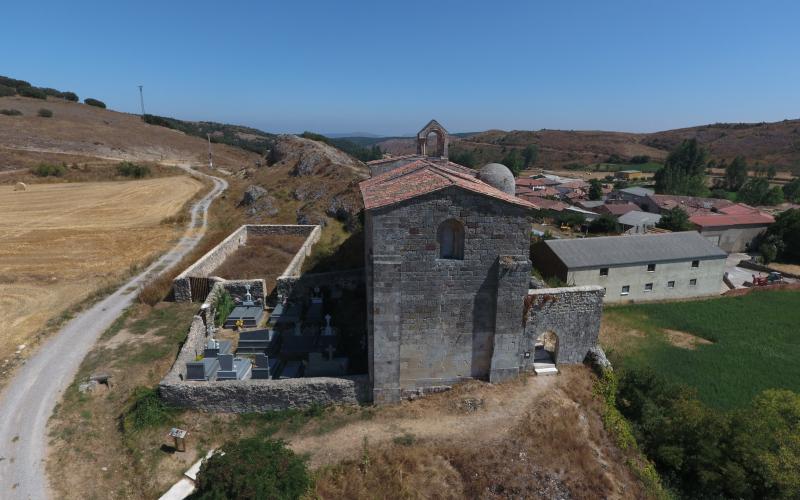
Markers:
252,194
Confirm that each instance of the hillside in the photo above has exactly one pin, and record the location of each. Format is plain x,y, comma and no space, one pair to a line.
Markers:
86,134
768,143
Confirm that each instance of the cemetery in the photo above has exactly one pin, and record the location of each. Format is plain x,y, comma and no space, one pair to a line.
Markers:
249,349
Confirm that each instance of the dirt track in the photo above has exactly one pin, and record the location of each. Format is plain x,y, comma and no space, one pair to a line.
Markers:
27,402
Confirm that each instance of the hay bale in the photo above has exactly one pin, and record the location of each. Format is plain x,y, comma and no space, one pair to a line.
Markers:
20,186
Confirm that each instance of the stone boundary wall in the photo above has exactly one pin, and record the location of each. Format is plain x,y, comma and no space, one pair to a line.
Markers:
247,396
243,396
205,265
334,281
572,313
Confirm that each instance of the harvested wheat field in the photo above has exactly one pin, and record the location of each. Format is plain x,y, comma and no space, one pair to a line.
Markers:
59,243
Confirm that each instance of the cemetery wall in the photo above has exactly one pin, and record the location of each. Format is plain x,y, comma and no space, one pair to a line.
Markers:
245,396
332,283
242,396
238,288
205,265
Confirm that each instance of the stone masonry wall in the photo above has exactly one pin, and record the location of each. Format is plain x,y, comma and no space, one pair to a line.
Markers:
432,321
243,396
572,313
246,396
205,265
335,282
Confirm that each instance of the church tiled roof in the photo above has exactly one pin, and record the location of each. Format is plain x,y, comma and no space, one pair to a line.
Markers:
424,176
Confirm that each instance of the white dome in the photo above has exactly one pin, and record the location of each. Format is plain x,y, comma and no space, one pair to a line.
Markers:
498,176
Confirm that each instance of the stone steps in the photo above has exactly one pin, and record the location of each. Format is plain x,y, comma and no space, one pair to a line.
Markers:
545,369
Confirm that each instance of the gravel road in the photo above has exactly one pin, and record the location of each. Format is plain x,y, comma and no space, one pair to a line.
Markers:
29,398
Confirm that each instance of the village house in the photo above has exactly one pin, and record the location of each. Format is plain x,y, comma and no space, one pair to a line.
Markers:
640,267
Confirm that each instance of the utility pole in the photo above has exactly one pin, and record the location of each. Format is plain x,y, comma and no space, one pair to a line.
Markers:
141,100
210,161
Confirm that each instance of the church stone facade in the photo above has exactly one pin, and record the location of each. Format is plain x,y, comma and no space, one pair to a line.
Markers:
447,271
448,275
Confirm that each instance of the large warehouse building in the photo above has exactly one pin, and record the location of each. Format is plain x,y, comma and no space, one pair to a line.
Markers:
639,267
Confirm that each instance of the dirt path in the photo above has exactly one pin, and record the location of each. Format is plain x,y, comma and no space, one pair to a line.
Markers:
500,409
29,399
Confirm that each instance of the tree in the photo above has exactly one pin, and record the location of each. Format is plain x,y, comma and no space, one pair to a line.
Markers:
572,219
786,234
772,172
530,154
595,189
736,174
606,223
758,192
791,191
675,219
767,442
94,102
683,172
514,162
773,197
253,468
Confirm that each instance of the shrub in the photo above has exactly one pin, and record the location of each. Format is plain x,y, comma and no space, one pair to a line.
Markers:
7,91
33,92
225,305
675,219
13,82
155,291
70,96
128,169
94,102
253,468
49,170
704,453
146,410
45,113
10,112
606,223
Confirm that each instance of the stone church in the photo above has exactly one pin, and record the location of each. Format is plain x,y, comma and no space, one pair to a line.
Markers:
447,270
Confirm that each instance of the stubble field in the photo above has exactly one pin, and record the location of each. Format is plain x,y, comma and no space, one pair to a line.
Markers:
59,243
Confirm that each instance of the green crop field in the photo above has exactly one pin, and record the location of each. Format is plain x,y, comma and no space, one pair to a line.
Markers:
755,343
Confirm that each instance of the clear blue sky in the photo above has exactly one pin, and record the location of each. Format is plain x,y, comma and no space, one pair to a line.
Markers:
388,67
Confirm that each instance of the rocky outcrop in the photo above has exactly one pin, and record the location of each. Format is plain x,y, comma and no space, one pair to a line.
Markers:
258,202
308,157
252,194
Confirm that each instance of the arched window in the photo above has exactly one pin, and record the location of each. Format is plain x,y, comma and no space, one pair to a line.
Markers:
451,240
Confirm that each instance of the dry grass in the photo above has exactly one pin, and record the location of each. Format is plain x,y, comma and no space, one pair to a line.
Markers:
264,256
84,131
61,242
523,441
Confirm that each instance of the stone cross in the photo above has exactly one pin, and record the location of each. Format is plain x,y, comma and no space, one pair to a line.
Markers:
328,329
330,350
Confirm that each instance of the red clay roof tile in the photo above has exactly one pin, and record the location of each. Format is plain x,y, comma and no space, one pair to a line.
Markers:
424,176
